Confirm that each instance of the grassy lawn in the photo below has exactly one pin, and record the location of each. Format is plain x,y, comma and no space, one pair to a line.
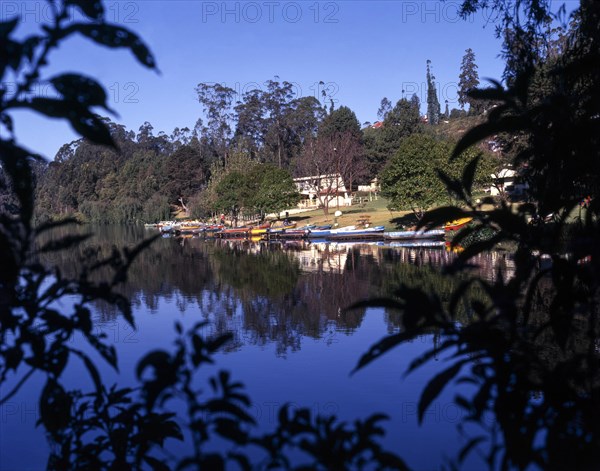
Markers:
376,210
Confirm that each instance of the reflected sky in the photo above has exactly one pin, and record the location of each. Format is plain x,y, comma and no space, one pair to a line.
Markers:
294,341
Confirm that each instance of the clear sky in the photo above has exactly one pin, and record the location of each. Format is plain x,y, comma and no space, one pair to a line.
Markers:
361,50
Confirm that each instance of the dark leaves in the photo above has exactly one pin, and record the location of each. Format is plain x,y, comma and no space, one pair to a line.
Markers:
93,9
440,216
383,346
115,37
55,407
435,386
83,121
79,89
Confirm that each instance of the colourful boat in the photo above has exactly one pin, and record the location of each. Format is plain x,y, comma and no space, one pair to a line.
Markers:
212,229
457,224
260,230
276,231
188,229
290,232
319,232
351,232
411,235
235,232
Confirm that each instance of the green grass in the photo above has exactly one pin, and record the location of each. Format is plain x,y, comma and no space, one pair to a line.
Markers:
377,211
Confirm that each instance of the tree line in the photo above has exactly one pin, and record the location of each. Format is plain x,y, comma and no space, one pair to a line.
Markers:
242,157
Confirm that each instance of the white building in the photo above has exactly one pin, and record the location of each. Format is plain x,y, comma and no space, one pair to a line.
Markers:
321,190
507,182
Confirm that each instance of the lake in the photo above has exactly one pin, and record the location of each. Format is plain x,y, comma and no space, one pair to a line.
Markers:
293,339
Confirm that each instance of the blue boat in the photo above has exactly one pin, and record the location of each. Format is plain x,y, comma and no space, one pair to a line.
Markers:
319,232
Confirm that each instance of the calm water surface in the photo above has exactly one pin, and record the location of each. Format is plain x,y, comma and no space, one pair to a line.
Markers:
293,340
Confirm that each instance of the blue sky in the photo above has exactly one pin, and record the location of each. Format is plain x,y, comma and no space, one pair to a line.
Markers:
361,50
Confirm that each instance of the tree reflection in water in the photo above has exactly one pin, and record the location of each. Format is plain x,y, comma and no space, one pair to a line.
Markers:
274,293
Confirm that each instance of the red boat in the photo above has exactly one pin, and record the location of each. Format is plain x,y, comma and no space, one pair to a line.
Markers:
244,231
457,224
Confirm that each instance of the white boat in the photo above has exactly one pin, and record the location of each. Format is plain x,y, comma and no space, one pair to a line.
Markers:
411,235
351,232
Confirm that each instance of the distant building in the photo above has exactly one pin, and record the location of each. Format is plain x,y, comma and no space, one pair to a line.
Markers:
507,182
372,187
317,190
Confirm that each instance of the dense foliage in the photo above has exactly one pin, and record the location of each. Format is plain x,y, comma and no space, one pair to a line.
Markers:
531,350
411,179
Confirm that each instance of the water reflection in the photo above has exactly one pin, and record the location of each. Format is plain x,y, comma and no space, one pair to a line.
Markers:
274,292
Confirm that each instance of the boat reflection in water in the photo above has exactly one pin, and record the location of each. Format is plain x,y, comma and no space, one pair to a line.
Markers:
285,303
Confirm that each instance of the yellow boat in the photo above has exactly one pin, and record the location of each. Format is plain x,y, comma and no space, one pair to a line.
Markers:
259,230
457,224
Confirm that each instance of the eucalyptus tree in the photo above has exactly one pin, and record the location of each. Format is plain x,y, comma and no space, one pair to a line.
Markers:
217,102
384,108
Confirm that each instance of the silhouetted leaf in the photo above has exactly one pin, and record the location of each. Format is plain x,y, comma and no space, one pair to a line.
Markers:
230,429
381,347
91,369
440,216
158,359
469,175
93,9
107,352
46,226
490,93
64,243
453,185
214,344
84,122
391,461
221,406
469,446
487,129
114,37
154,463
242,461
83,90
7,27
55,407
434,387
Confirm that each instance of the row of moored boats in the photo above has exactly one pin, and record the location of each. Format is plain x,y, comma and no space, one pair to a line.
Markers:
290,231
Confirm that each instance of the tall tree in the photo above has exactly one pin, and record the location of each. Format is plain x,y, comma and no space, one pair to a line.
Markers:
216,100
340,121
381,144
384,108
433,104
468,80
